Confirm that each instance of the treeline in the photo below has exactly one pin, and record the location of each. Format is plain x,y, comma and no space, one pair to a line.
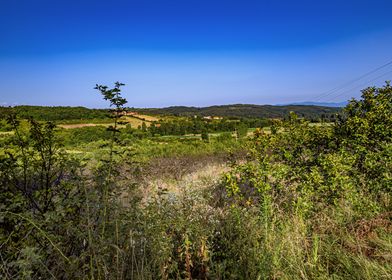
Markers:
56,113
179,127
246,111
59,113
199,125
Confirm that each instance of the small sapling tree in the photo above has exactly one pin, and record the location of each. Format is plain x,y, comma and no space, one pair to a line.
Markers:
117,104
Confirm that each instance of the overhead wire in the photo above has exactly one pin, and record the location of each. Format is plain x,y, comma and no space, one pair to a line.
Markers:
359,86
339,88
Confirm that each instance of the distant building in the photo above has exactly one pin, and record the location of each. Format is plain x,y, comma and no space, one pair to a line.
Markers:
212,118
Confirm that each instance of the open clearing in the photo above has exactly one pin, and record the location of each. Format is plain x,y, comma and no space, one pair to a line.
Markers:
134,121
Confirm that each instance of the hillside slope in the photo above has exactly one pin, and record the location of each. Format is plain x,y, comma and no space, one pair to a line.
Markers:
57,113
243,110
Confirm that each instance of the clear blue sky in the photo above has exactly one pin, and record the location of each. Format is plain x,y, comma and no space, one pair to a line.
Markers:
191,52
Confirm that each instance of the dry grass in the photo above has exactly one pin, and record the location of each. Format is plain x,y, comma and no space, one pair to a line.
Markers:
147,118
80,125
198,179
6,132
134,121
137,120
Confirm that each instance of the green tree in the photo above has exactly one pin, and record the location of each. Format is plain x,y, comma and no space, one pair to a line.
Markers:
144,127
241,130
204,136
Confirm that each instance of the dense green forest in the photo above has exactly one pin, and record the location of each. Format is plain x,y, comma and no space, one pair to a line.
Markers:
55,113
293,200
246,111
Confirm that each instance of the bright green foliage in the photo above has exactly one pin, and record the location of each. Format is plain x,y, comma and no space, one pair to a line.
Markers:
368,122
350,161
366,132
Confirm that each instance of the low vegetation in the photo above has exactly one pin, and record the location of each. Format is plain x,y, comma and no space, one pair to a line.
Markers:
298,201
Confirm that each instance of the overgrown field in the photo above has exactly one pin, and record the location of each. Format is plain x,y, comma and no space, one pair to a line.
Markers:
189,198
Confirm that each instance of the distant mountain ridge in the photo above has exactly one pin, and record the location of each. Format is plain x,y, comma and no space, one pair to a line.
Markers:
323,104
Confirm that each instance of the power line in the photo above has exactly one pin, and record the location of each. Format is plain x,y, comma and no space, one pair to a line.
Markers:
362,85
338,88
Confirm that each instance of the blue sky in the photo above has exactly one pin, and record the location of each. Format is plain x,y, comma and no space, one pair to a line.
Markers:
191,52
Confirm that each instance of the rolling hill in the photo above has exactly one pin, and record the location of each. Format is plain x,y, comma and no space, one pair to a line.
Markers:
243,110
236,110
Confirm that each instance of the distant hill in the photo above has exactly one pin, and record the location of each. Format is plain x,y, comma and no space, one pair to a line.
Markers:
243,110
236,110
323,104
